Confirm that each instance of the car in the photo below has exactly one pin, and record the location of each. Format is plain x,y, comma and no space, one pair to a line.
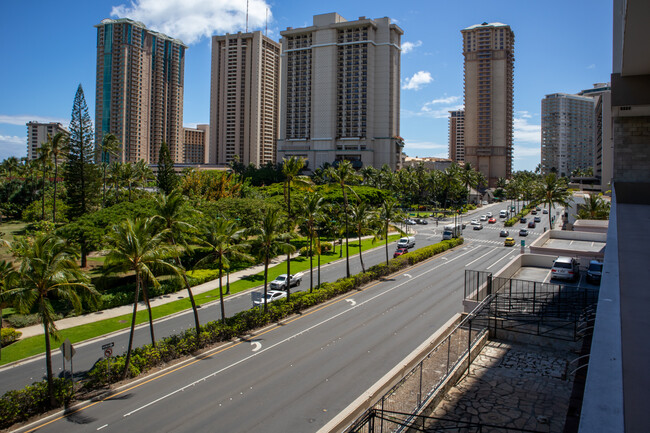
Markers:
409,222
422,221
533,212
478,227
509,242
594,271
503,214
400,251
484,203
565,268
406,242
504,233
545,212
475,222
489,214
484,218
492,220
280,282
523,232
538,208
522,220
271,296
538,219
531,225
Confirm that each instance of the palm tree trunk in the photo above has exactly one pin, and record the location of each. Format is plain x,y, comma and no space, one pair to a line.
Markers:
191,295
319,268
311,262
56,173
43,192
104,187
48,364
228,281
386,244
145,292
266,277
289,231
132,332
347,249
223,309
363,268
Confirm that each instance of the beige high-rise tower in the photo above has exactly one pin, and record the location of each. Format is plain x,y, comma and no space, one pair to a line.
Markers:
457,135
139,91
340,92
489,70
244,99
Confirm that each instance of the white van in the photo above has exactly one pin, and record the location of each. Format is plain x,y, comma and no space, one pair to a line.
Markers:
503,214
406,242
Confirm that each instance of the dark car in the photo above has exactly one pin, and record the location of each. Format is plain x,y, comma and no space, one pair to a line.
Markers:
538,208
531,225
523,220
594,271
504,233
400,251
538,219
533,212
422,221
523,232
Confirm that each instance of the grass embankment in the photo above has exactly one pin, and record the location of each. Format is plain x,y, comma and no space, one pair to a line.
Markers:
36,345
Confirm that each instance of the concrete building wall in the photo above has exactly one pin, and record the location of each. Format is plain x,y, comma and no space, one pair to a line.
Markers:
39,133
195,143
457,136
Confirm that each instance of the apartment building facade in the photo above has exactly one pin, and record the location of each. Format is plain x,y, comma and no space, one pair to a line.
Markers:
488,49
340,92
244,99
457,136
39,133
139,90
568,126
195,144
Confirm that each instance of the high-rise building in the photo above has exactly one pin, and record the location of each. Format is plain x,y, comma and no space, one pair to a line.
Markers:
37,133
567,133
457,135
488,49
244,99
195,144
139,91
340,92
603,136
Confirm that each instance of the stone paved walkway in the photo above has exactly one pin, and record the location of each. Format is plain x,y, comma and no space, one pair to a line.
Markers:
512,385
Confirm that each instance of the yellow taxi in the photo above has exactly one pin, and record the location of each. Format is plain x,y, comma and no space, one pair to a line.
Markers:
509,242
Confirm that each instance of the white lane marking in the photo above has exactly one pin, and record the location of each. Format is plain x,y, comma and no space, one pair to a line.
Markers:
408,275
352,302
256,345
476,260
504,257
304,331
105,425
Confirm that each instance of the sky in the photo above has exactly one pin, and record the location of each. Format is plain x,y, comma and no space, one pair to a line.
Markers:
560,46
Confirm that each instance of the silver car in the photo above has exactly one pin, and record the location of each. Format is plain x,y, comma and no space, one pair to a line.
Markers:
565,268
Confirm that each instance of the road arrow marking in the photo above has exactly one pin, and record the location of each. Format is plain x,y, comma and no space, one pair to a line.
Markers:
257,345
408,275
352,302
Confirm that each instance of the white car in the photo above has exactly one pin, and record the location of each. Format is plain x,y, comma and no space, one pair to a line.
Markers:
489,214
484,218
271,295
280,283
475,222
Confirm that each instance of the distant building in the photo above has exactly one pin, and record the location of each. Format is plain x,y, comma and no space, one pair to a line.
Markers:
489,73
603,134
429,162
457,135
244,99
195,144
37,133
341,92
139,90
567,133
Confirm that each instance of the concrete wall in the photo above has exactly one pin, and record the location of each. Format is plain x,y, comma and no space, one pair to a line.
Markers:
537,247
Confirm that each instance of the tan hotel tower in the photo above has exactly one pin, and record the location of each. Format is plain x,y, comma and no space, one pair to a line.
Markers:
489,70
340,92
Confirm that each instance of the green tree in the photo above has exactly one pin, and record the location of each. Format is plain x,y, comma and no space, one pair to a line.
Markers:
134,247
58,147
594,208
8,278
388,213
362,218
109,146
552,190
44,159
313,211
167,177
271,240
48,270
223,239
469,178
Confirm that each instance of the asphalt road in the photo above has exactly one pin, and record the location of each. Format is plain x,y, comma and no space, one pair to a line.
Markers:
88,353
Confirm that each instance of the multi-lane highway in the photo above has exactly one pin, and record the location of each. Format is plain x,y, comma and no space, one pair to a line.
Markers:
294,377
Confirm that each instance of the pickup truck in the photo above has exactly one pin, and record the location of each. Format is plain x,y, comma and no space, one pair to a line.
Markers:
280,283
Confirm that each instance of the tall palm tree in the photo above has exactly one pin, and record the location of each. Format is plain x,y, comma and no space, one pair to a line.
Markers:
222,237
134,247
48,270
171,213
388,213
109,146
8,278
594,208
344,175
313,211
361,221
115,177
469,178
58,147
272,239
143,172
290,168
553,190
128,176
44,159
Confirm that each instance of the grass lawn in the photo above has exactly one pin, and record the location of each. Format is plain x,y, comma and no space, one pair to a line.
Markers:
35,345
9,230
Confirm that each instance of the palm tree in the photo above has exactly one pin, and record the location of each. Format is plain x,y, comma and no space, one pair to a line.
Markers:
290,168
388,213
552,190
343,175
361,220
312,210
128,176
48,270
8,277
44,160
469,177
135,248
170,212
58,147
108,147
222,237
594,208
115,177
143,172
271,240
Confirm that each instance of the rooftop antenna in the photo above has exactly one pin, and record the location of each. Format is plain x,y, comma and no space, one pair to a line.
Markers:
246,16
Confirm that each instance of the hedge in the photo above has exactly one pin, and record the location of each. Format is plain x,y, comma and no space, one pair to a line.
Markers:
30,400
524,211
8,336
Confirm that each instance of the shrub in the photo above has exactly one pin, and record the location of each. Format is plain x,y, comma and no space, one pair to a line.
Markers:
16,406
8,336
23,320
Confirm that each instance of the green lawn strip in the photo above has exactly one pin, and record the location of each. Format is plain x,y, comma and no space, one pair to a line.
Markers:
35,345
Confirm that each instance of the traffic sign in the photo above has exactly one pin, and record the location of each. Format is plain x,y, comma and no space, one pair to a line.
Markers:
108,345
108,352
67,350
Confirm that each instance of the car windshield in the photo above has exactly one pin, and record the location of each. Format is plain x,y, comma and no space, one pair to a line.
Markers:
596,267
281,278
565,265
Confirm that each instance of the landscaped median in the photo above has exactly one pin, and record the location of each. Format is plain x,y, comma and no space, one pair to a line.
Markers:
17,406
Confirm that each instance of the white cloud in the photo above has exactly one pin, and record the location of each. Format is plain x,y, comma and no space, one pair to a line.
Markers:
191,20
521,152
23,119
418,80
426,148
524,114
446,100
407,47
11,145
525,132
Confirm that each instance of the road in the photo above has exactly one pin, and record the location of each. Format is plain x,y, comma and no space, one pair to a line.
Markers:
88,353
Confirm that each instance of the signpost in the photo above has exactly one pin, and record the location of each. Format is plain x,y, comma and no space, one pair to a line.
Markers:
68,351
108,352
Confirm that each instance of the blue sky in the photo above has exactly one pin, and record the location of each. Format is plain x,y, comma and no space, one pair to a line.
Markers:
560,46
